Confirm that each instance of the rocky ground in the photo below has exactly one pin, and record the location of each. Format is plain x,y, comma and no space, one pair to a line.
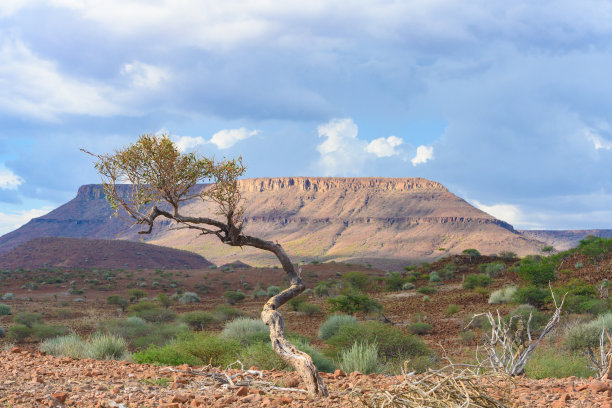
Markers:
32,379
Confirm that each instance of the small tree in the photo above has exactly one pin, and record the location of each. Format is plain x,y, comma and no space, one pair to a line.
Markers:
117,300
472,253
162,180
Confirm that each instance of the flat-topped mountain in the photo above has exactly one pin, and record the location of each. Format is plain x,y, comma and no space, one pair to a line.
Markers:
97,253
368,219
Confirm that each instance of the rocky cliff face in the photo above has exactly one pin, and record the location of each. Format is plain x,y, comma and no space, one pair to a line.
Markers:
313,217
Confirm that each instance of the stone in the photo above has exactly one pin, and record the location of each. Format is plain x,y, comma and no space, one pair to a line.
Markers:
242,391
15,350
292,382
339,373
598,386
60,396
181,398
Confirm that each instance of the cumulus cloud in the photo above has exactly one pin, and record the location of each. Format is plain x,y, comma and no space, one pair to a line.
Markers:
14,220
226,138
598,141
188,142
423,155
342,152
384,147
507,212
9,180
144,75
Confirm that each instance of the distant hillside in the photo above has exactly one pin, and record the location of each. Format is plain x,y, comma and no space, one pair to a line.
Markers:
562,240
97,253
372,220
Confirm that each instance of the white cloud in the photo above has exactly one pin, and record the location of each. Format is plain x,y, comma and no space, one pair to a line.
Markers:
384,147
9,180
423,154
342,152
598,141
505,212
144,75
226,138
188,142
14,220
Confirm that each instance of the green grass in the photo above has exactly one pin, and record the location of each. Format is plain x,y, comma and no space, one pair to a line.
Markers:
549,363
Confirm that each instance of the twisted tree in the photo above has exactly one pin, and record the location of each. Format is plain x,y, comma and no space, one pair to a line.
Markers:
162,180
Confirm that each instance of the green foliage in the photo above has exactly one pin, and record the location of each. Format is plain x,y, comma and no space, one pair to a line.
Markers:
434,277
246,330
139,307
426,290
538,319
224,313
164,300
471,252
71,345
357,280
309,309
191,297
156,315
197,320
476,280
392,342
43,331
408,286
452,309
322,289
295,303
420,328
504,295
354,302
19,332
578,265
585,336
536,271
531,295
28,318
492,269
333,323
320,361
104,346
262,356
139,333
361,357
394,282
136,294
595,248
549,363
194,349
5,310
273,290
507,255
117,300
233,296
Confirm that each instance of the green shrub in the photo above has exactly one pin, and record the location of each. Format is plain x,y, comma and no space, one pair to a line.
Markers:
586,336
309,309
420,328
273,291
246,330
104,346
452,309
117,300
197,320
578,265
322,289
504,295
320,361
434,277
354,302
549,363
43,331
426,290
494,268
8,296
233,296
157,315
356,279
467,337
530,295
394,282
536,272
191,297
224,313
507,255
19,332
361,357
140,306
262,356
392,342
5,310
538,319
139,333
71,345
136,294
476,280
333,324
28,319
195,349
408,286
295,303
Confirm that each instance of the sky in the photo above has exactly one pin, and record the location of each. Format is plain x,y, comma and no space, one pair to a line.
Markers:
508,104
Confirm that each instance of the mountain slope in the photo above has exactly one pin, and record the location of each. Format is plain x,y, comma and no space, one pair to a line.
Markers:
366,219
563,240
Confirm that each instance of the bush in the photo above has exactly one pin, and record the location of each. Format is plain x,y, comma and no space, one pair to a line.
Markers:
434,277
104,346
394,282
333,324
476,280
246,330
262,356
549,363
309,309
233,296
322,288
71,345
581,337
5,310
190,297
157,315
195,349
139,333
8,296
43,332
507,255
420,328
224,313
452,309
320,361
356,279
494,268
361,357
295,303
117,300
28,319
392,342
408,286
538,319
273,291
197,320
354,302
140,306
19,332
426,290
136,294
504,295
536,272
530,295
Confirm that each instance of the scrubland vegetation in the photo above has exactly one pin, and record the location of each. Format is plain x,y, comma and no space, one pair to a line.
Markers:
356,320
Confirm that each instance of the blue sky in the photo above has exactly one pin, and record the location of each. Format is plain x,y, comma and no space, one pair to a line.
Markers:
508,104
